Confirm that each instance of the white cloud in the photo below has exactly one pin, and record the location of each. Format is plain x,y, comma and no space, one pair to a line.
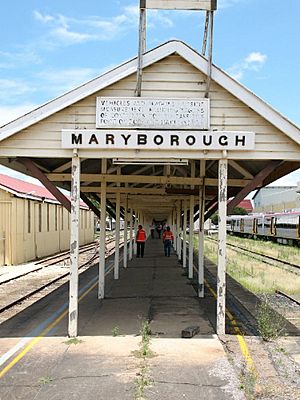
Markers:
252,62
10,113
16,87
68,30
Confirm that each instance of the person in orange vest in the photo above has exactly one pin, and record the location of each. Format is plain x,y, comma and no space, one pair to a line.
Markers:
140,241
168,239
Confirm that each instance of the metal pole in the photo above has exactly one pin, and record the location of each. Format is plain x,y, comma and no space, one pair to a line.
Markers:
117,238
205,33
102,234
221,286
184,234
201,231
74,246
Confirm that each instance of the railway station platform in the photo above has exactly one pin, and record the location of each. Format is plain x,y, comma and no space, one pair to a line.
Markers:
105,364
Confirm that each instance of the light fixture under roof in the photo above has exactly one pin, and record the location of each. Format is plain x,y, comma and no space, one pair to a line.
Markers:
151,161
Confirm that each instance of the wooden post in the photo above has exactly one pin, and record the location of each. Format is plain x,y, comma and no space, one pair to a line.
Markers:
174,222
191,227
221,286
130,234
191,237
201,231
184,234
125,251
135,232
117,237
179,231
101,285
142,47
74,246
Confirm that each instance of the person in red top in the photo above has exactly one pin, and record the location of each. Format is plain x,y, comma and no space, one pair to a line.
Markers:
168,239
140,241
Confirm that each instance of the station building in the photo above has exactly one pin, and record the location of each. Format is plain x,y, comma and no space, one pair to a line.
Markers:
175,150
33,224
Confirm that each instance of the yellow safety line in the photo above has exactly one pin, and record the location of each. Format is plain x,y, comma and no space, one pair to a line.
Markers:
44,332
241,340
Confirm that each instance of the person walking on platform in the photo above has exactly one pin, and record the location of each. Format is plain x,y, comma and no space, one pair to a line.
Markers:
168,239
140,241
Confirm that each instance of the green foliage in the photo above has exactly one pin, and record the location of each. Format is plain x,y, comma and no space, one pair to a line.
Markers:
73,341
239,211
271,325
115,331
45,380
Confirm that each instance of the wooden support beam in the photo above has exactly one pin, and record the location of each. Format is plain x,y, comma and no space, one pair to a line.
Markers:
240,169
201,232
144,179
90,204
38,174
283,169
256,181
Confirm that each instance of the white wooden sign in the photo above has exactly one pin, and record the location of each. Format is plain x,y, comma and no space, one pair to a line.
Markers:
136,112
208,5
157,140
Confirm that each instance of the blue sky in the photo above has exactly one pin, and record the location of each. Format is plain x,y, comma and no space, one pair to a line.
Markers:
48,47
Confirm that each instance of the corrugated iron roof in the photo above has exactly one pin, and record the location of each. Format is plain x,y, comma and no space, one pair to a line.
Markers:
28,190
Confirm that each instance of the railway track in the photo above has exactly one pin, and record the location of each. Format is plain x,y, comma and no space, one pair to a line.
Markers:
275,262
24,290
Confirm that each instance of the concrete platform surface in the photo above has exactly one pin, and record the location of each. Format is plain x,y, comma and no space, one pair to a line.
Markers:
105,364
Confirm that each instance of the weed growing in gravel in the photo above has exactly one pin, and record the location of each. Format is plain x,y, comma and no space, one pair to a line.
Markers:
73,341
248,379
271,325
45,380
145,352
115,331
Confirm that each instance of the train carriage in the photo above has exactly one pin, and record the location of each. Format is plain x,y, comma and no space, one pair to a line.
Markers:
281,227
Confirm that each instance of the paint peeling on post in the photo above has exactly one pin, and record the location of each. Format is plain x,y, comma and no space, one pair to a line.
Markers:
74,246
101,285
184,234
221,281
201,231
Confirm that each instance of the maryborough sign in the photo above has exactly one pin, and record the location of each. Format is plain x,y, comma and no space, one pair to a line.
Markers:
156,140
154,124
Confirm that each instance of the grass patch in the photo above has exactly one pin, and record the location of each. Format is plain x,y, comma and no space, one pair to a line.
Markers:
143,376
115,331
73,341
45,380
254,274
271,325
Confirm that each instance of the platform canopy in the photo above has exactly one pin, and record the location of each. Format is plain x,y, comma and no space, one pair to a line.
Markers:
159,164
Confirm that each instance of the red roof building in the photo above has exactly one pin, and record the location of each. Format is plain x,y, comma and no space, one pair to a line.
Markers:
247,205
28,190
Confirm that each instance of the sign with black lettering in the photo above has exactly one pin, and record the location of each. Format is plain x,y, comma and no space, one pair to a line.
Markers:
146,113
157,140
